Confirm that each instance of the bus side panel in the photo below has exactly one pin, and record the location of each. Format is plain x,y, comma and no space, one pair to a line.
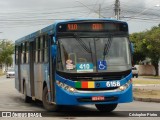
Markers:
16,78
45,72
25,75
38,80
41,75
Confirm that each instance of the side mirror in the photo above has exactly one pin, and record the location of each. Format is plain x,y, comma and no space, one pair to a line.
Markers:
54,47
54,39
132,47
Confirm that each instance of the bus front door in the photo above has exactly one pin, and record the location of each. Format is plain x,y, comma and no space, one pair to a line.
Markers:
32,56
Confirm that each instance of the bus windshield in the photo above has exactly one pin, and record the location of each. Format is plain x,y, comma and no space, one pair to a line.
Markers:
81,55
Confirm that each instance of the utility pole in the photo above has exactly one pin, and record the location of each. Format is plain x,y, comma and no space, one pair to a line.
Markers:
117,9
99,10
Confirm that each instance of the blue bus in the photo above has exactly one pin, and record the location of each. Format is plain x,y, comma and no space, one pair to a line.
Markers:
76,62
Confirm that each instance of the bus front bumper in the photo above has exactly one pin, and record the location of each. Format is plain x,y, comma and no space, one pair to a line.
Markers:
64,97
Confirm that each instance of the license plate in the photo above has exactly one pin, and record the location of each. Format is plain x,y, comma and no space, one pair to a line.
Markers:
98,98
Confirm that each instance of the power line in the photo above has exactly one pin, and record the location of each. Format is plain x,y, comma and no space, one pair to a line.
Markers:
30,17
144,19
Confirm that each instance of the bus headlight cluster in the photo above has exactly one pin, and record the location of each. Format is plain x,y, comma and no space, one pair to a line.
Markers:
125,86
66,87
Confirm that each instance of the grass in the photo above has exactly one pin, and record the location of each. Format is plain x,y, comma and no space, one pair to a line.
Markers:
144,93
138,81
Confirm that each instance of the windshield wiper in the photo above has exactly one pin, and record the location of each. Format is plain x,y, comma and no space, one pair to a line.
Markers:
83,44
106,48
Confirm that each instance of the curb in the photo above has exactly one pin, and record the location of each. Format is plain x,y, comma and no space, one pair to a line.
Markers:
147,99
157,100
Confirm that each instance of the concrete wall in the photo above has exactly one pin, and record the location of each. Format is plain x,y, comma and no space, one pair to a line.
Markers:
146,69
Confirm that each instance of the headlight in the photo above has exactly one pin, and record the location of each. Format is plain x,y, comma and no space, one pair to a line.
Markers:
66,87
125,86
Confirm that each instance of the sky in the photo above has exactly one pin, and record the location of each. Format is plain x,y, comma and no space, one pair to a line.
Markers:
22,17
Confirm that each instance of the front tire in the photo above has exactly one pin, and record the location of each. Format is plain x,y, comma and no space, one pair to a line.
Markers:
48,106
106,107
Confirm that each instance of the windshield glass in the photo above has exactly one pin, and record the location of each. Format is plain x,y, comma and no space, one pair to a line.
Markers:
77,54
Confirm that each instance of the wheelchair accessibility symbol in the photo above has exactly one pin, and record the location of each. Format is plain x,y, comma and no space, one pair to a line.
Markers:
102,65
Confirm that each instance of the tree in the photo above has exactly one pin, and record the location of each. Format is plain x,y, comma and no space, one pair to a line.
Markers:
137,40
147,44
152,42
6,51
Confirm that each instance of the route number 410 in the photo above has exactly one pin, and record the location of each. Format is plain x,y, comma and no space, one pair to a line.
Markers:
113,84
84,66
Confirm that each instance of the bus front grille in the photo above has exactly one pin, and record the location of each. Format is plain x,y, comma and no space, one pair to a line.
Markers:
104,78
108,76
96,89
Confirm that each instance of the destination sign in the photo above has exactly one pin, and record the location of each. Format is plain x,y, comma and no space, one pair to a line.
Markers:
93,26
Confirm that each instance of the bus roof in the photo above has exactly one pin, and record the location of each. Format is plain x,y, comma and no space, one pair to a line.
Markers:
51,28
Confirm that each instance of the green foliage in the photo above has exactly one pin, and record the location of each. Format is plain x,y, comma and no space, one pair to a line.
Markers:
6,51
147,44
139,54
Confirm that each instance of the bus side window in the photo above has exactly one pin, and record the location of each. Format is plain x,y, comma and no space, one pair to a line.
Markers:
36,50
22,52
27,52
41,49
45,55
16,56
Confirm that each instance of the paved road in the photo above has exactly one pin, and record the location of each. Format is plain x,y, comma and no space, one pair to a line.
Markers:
11,100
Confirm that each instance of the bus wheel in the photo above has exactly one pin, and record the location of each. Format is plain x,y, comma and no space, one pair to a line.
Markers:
48,106
106,107
26,98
